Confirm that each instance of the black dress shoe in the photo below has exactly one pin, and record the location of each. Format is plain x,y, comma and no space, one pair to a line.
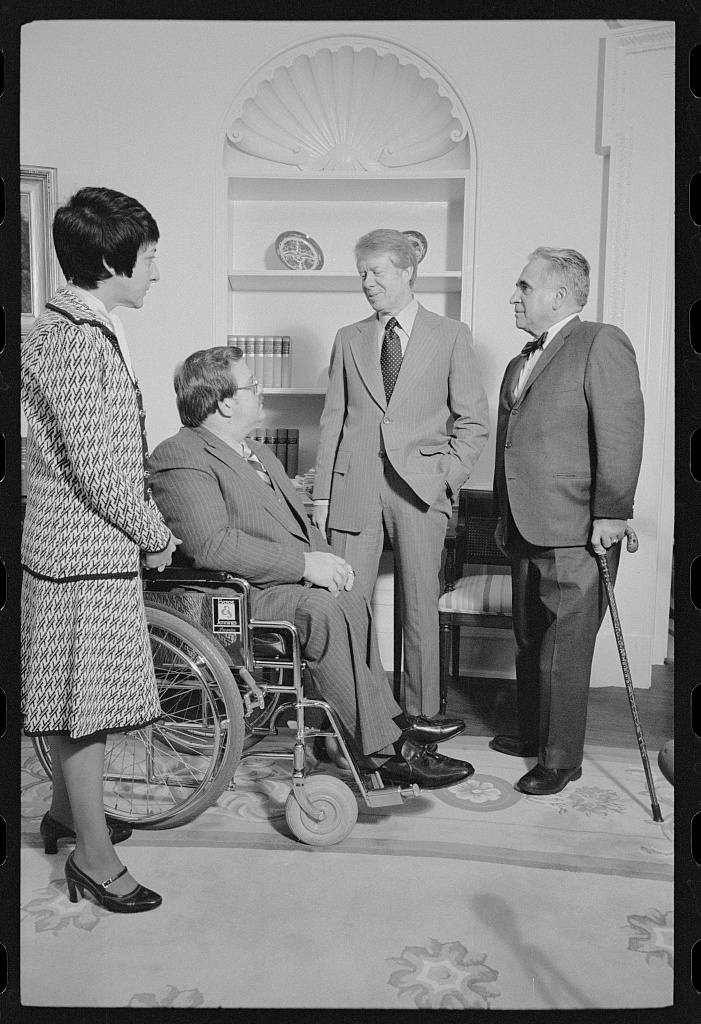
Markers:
542,781
431,730
512,745
136,901
427,769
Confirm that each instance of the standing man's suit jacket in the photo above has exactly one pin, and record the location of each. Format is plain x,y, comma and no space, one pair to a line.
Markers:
570,448
438,378
228,517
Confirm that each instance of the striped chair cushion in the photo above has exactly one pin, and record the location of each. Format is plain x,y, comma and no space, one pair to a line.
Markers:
479,595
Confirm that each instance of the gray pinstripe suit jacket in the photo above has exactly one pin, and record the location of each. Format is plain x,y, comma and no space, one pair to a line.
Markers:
226,515
438,380
229,519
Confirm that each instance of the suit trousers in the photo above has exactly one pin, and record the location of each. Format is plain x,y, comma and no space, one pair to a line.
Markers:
340,649
416,532
558,606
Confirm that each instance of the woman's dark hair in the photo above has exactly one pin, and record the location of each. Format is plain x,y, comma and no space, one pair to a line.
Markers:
98,226
203,380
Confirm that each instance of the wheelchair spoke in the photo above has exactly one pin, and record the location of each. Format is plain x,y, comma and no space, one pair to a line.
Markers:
167,773
164,771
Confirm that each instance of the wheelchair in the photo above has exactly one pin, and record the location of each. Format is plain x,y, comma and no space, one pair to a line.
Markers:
225,680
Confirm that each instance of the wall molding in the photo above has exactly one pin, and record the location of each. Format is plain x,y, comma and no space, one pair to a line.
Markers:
637,133
312,107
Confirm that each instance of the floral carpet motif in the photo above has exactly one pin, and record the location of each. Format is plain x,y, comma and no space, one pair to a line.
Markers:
587,800
51,911
653,935
480,793
517,902
260,791
168,996
444,976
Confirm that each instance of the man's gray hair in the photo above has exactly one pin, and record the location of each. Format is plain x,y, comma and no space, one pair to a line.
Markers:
570,266
387,241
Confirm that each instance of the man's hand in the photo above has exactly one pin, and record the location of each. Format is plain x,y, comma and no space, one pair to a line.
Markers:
320,513
499,537
160,559
327,570
605,532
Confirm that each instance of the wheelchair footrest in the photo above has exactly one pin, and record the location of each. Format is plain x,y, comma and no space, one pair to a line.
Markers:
386,796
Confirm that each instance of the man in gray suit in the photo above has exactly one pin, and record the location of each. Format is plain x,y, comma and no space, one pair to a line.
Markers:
237,511
568,453
404,422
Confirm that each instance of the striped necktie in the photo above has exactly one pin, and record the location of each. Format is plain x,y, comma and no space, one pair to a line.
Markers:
256,464
390,357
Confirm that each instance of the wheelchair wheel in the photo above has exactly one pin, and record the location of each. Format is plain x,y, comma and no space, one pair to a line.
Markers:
257,719
169,772
330,795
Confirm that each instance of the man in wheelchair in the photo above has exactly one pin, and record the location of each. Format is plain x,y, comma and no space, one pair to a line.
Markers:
231,502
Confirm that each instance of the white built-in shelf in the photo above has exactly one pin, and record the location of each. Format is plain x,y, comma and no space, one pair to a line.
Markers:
320,281
335,171
428,188
294,391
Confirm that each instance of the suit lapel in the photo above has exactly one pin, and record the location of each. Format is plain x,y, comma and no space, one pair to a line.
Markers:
365,353
549,354
282,486
249,479
423,343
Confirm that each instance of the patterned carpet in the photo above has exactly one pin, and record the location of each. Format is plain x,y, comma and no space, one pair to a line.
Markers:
472,897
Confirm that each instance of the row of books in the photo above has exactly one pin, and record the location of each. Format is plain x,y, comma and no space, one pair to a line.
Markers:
268,357
283,442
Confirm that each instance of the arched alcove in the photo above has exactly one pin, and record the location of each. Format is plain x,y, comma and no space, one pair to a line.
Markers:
331,138
348,105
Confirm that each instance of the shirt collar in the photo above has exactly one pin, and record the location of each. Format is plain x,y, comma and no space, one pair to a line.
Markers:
552,331
91,300
405,318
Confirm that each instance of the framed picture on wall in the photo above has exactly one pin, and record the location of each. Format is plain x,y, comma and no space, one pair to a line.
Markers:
38,191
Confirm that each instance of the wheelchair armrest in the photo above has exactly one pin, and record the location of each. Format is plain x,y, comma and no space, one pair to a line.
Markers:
183,576
274,642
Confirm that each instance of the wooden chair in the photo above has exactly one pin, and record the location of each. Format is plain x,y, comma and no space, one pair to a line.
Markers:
481,597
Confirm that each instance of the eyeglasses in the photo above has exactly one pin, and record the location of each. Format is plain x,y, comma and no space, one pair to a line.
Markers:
255,386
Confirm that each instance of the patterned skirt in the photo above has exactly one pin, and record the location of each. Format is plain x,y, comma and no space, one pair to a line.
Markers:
86,659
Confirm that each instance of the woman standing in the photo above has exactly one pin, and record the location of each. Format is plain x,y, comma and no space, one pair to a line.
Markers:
90,521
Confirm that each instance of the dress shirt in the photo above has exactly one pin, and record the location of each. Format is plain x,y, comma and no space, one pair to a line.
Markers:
533,358
405,323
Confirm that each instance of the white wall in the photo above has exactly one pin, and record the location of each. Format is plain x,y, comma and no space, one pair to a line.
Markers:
137,106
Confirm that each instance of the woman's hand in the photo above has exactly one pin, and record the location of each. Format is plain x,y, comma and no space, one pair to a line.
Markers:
160,559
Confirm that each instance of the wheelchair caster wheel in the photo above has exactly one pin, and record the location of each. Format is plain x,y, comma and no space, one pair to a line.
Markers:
328,794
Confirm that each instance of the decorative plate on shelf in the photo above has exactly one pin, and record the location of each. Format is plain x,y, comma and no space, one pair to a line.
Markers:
419,242
298,251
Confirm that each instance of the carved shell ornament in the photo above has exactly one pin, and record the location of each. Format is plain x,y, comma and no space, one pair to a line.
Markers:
347,110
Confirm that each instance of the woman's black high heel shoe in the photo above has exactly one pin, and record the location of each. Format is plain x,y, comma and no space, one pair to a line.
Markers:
52,830
139,899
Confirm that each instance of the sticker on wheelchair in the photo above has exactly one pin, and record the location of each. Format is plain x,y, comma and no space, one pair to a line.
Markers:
226,615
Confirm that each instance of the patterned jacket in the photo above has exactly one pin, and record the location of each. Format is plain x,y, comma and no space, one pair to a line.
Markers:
88,511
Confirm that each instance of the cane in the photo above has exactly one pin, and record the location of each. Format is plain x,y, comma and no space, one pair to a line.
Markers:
632,545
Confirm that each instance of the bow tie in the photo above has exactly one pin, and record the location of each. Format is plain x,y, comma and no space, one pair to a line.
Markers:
534,344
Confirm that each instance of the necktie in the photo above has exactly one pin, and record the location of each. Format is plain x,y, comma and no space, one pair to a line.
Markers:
522,368
533,344
390,357
255,462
